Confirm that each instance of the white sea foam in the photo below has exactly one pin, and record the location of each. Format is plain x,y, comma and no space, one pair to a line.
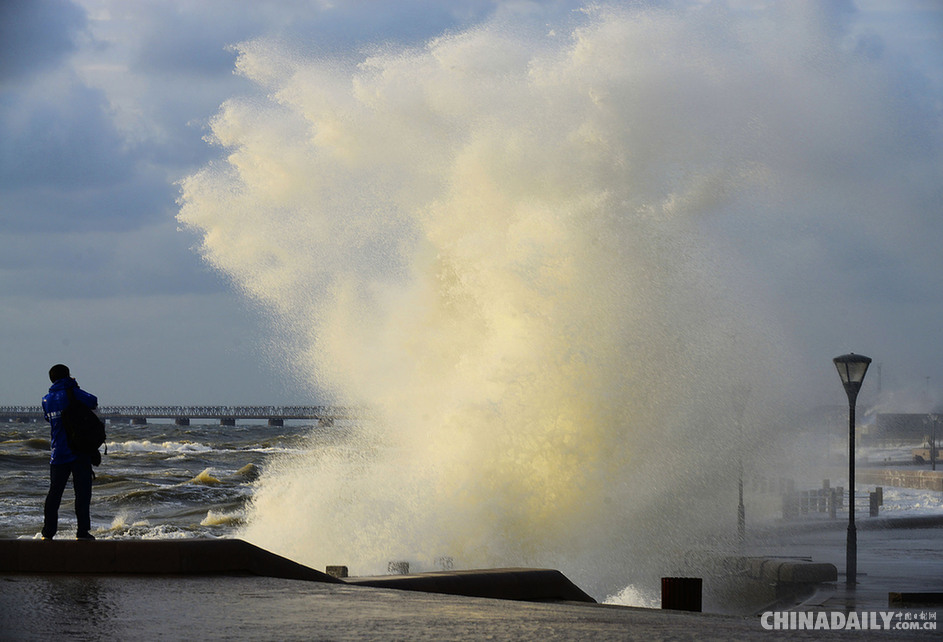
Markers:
633,596
124,521
223,518
206,476
147,446
501,244
900,502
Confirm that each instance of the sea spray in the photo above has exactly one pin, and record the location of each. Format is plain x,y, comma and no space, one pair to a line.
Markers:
503,246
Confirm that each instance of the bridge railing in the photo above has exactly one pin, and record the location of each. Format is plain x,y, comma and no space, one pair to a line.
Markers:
212,412
26,410
204,412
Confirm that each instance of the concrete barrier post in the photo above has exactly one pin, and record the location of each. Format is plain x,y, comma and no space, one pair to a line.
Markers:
880,493
681,593
873,502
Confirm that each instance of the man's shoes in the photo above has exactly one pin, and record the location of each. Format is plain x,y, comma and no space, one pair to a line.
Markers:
86,536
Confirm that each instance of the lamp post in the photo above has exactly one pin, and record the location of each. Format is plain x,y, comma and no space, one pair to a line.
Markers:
739,400
932,439
851,368
930,423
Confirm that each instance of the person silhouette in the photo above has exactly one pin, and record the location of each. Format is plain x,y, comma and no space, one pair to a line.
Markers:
63,462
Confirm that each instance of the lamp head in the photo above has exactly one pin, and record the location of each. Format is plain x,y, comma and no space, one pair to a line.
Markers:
852,368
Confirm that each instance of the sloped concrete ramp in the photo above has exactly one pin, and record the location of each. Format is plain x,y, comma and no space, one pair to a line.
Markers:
154,557
233,556
530,584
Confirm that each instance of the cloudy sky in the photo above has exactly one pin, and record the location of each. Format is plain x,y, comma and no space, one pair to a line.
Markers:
104,107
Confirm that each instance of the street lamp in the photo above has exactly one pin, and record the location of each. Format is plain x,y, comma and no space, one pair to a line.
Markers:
851,368
739,399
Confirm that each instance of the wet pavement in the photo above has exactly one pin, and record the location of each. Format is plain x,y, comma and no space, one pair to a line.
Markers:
243,607
43,607
893,556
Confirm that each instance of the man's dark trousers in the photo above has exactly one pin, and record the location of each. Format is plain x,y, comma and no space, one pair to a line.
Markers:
81,470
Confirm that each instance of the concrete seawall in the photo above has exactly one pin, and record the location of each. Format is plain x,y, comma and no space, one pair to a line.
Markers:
503,583
236,557
743,583
154,557
736,578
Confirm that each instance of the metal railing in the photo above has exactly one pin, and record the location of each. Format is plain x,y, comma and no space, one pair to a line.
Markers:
201,412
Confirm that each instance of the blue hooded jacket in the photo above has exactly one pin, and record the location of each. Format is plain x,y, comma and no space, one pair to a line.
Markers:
53,405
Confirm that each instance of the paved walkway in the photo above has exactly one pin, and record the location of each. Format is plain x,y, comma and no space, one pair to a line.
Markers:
239,607
88,607
891,558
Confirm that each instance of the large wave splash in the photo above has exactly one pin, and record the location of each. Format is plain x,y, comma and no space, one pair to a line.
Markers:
499,244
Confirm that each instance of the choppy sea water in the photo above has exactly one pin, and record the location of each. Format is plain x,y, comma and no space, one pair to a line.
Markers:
157,480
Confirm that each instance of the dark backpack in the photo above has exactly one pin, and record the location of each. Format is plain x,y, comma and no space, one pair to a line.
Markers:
84,430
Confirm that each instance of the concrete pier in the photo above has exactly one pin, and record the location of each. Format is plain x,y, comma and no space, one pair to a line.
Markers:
502,583
164,557
229,589
107,607
233,556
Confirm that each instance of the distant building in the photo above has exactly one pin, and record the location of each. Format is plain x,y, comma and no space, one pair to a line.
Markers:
909,428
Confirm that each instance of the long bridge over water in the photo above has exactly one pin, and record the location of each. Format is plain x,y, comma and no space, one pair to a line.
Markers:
182,415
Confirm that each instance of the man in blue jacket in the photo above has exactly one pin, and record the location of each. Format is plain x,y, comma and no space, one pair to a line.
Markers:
63,462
